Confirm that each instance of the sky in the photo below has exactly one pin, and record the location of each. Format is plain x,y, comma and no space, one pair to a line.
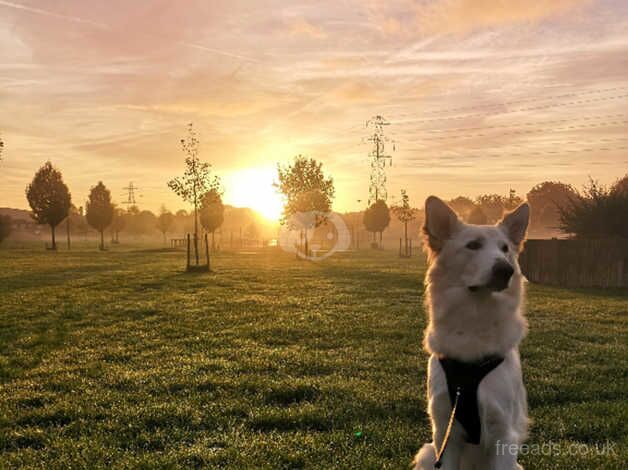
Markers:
481,96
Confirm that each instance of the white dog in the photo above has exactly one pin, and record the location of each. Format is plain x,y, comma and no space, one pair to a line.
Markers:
474,296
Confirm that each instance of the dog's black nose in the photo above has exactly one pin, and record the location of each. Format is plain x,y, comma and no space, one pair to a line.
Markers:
501,274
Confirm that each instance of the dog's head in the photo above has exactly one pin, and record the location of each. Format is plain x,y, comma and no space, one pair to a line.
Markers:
482,258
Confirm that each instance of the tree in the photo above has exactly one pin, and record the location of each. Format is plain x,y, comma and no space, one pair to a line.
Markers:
140,222
596,212
621,185
477,217
252,231
183,221
376,219
308,195
118,222
212,213
196,181
164,221
545,198
5,227
404,214
492,205
462,206
49,198
99,210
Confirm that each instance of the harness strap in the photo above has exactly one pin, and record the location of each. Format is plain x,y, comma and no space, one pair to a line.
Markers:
448,432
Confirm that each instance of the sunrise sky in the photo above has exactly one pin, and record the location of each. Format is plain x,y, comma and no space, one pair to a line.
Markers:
482,95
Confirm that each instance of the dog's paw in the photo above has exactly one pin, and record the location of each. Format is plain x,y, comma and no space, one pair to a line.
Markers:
425,458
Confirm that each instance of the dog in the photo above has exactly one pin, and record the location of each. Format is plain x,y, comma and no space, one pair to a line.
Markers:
474,297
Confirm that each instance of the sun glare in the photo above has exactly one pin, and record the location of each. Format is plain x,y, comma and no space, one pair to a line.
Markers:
253,188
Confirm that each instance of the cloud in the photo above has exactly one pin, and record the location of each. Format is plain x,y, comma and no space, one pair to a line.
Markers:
302,27
463,16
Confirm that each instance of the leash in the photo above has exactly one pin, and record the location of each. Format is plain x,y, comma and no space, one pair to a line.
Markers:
439,456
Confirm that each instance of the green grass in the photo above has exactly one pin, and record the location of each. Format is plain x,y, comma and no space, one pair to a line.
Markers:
120,359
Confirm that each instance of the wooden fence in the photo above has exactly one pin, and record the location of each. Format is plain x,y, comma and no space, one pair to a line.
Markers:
576,263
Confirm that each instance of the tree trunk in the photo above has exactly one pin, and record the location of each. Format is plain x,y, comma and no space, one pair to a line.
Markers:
306,245
405,236
195,232
68,228
213,242
102,240
54,240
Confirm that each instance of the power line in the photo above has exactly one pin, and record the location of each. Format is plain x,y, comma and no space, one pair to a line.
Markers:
523,100
520,131
532,108
522,124
528,152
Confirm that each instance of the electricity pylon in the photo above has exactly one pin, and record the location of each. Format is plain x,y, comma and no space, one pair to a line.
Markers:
377,186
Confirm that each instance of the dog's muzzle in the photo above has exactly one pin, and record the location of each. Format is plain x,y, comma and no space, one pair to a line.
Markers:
500,278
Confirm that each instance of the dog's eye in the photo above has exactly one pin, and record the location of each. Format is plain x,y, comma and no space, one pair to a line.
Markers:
474,245
505,248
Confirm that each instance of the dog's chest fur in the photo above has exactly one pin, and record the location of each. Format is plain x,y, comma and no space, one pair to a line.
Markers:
468,326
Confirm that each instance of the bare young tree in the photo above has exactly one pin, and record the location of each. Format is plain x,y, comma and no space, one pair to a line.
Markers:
49,198
99,210
196,181
404,214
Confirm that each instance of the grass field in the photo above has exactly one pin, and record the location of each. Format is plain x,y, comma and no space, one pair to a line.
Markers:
119,359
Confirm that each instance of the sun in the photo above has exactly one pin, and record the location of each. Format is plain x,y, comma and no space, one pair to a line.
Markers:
253,188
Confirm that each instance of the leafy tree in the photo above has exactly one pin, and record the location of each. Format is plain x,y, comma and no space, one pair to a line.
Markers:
308,194
545,199
252,231
99,210
621,185
212,213
376,219
140,222
183,221
118,222
477,216
49,198
462,206
196,181
404,214
492,205
512,201
596,212
164,221
5,227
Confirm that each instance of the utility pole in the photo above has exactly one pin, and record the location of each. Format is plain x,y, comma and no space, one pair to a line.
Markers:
378,157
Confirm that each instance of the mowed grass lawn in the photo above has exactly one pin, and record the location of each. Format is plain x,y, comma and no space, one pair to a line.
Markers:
121,360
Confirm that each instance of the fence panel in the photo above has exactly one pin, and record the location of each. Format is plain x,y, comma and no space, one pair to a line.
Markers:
576,263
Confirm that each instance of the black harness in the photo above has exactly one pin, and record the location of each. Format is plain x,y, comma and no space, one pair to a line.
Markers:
463,380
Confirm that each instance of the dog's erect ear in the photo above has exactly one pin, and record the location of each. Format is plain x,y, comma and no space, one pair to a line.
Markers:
515,223
440,223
